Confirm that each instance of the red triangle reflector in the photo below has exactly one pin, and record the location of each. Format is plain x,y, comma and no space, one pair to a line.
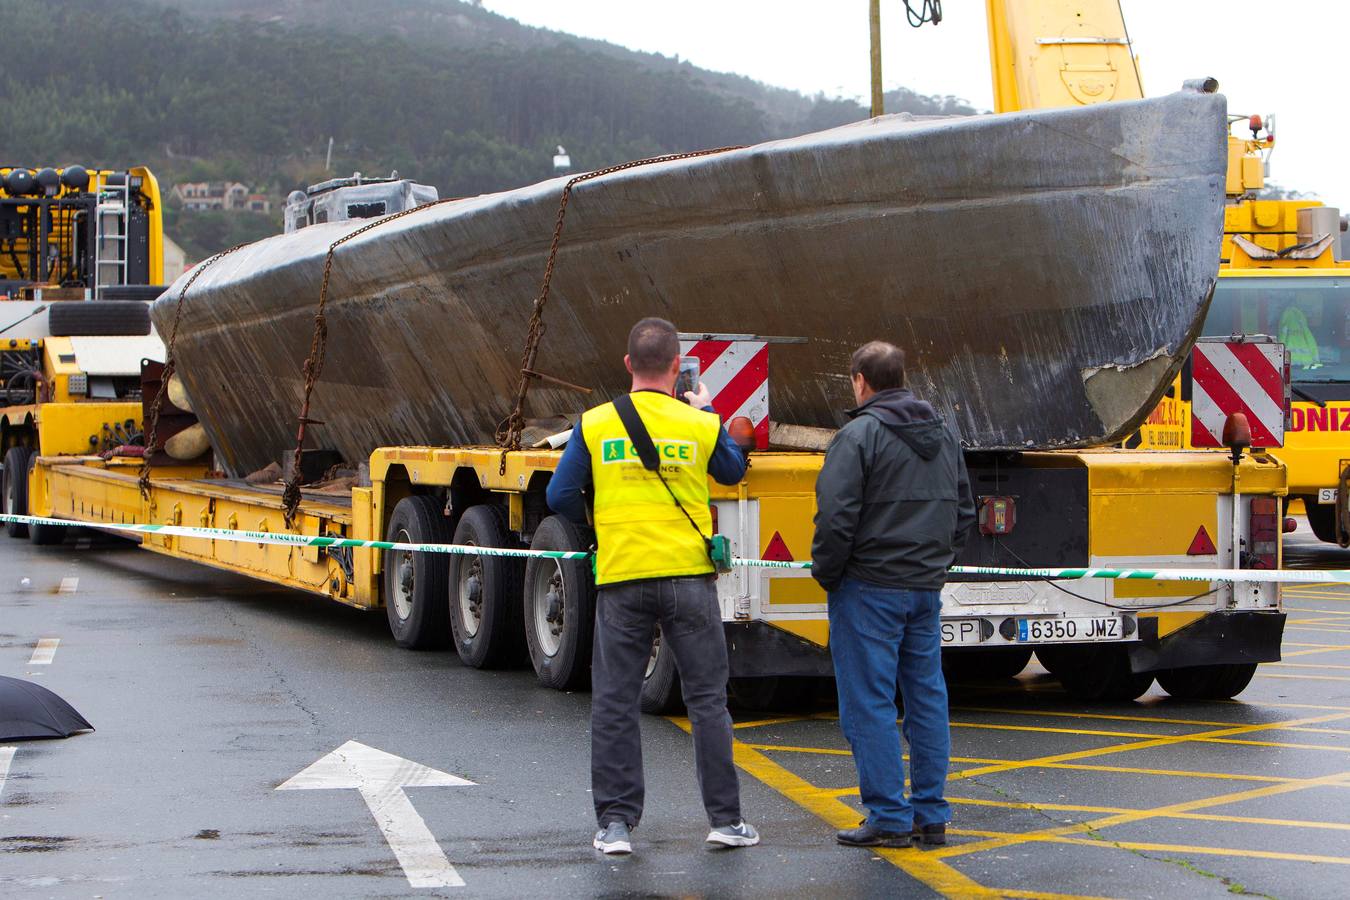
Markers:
1201,544
777,549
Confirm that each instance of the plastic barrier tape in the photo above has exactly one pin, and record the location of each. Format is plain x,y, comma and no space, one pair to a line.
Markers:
1286,576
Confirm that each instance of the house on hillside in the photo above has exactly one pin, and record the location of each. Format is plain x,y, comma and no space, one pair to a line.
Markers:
201,195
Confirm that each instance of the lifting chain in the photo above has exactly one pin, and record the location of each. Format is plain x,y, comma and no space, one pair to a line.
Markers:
318,347
509,431
152,432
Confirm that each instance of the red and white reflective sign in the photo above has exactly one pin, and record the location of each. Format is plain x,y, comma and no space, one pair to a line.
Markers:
1238,376
737,376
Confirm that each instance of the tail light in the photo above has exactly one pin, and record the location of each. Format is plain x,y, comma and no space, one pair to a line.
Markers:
1264,534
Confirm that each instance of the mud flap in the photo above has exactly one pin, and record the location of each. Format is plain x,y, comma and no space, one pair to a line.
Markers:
1218,638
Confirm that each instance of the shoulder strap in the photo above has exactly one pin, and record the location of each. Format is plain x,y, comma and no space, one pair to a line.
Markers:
646,451
637,433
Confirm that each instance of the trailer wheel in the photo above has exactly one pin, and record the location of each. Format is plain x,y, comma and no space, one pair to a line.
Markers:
109,317
661,685
415,583
39,534
1094,673
1321,519
559,608
15,489
985,663
485,594
1217,682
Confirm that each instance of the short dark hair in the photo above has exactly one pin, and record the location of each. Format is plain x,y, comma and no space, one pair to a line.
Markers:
653,345
881,365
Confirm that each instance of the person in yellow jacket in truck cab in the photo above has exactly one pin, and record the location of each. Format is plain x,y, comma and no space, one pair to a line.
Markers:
644,460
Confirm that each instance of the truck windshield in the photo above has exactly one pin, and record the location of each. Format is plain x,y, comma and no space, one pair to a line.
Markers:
1307,314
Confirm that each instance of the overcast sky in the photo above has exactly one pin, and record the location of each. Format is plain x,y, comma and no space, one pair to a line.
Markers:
1287,57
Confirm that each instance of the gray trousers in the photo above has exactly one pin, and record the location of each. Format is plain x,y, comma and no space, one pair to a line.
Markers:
691,626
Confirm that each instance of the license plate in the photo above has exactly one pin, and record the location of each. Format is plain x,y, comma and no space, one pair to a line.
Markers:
1326,495
961,631
1096,628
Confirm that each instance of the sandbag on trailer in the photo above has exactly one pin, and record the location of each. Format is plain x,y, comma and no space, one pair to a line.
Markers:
1045,270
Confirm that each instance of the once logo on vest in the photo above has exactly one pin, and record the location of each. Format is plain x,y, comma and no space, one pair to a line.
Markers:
678,453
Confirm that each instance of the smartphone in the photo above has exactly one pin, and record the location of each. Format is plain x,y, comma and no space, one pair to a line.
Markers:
687,380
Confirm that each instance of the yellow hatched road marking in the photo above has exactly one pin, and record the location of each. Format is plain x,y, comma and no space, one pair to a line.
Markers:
1138,734
1323,624
1072,767
1326,648
1122,718
1162,741
1006,840
1307,665
759,723
1199,817
1329,612
924,867
1161,848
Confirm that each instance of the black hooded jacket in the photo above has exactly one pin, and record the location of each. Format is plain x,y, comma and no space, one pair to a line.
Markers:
893,501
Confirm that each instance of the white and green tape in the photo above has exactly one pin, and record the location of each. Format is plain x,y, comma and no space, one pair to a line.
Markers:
1284,576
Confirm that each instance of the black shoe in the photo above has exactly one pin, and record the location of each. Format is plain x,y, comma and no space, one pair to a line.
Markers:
866,835
931,835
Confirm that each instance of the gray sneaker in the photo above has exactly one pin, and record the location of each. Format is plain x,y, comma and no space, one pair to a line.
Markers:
614,839
741,834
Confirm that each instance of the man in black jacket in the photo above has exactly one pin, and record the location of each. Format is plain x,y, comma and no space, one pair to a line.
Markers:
893,506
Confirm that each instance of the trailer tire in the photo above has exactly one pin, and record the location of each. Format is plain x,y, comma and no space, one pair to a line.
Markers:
661,694
415,584
15,488
1321,519
564,589
985,663
109,317
485,594
1218,682
1095,673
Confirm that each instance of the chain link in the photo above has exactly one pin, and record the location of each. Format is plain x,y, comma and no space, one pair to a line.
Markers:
318,347
152,433
510,428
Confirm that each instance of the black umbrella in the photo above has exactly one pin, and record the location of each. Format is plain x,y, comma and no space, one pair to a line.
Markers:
29,711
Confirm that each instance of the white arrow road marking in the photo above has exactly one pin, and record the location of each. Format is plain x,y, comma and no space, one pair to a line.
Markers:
6,754
44,652
68,585
380,778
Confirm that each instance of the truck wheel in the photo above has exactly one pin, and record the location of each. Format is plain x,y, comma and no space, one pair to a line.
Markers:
661,685
39,534
1321,519
1217,682
415,583
559,608
1095,673
985,663
15,489
485,593
109,317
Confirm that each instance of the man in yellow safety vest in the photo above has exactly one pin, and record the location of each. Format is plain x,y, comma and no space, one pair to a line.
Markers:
653,567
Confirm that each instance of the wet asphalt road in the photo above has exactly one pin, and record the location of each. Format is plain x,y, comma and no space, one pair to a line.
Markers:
209,691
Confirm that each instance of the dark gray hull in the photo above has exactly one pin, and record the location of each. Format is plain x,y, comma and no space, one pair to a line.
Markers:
1043,270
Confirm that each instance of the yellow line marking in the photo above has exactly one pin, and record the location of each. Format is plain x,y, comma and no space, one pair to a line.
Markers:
1073,767
1322,624
758,723
1309,677
1162,741
1162,848
1323,649
1330,612
922,866
1139,734
1199,817
1308,665
1129,817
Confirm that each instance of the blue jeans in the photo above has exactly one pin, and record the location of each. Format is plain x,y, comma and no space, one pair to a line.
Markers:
881,637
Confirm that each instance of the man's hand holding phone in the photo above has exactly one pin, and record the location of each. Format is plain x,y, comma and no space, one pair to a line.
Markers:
699,398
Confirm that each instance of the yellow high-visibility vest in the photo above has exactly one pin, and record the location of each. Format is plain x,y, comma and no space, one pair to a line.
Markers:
639,531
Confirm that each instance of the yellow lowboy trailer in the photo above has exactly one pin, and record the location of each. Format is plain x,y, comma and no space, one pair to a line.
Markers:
1104,639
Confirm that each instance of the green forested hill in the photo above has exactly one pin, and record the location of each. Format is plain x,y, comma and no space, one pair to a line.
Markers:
440,90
